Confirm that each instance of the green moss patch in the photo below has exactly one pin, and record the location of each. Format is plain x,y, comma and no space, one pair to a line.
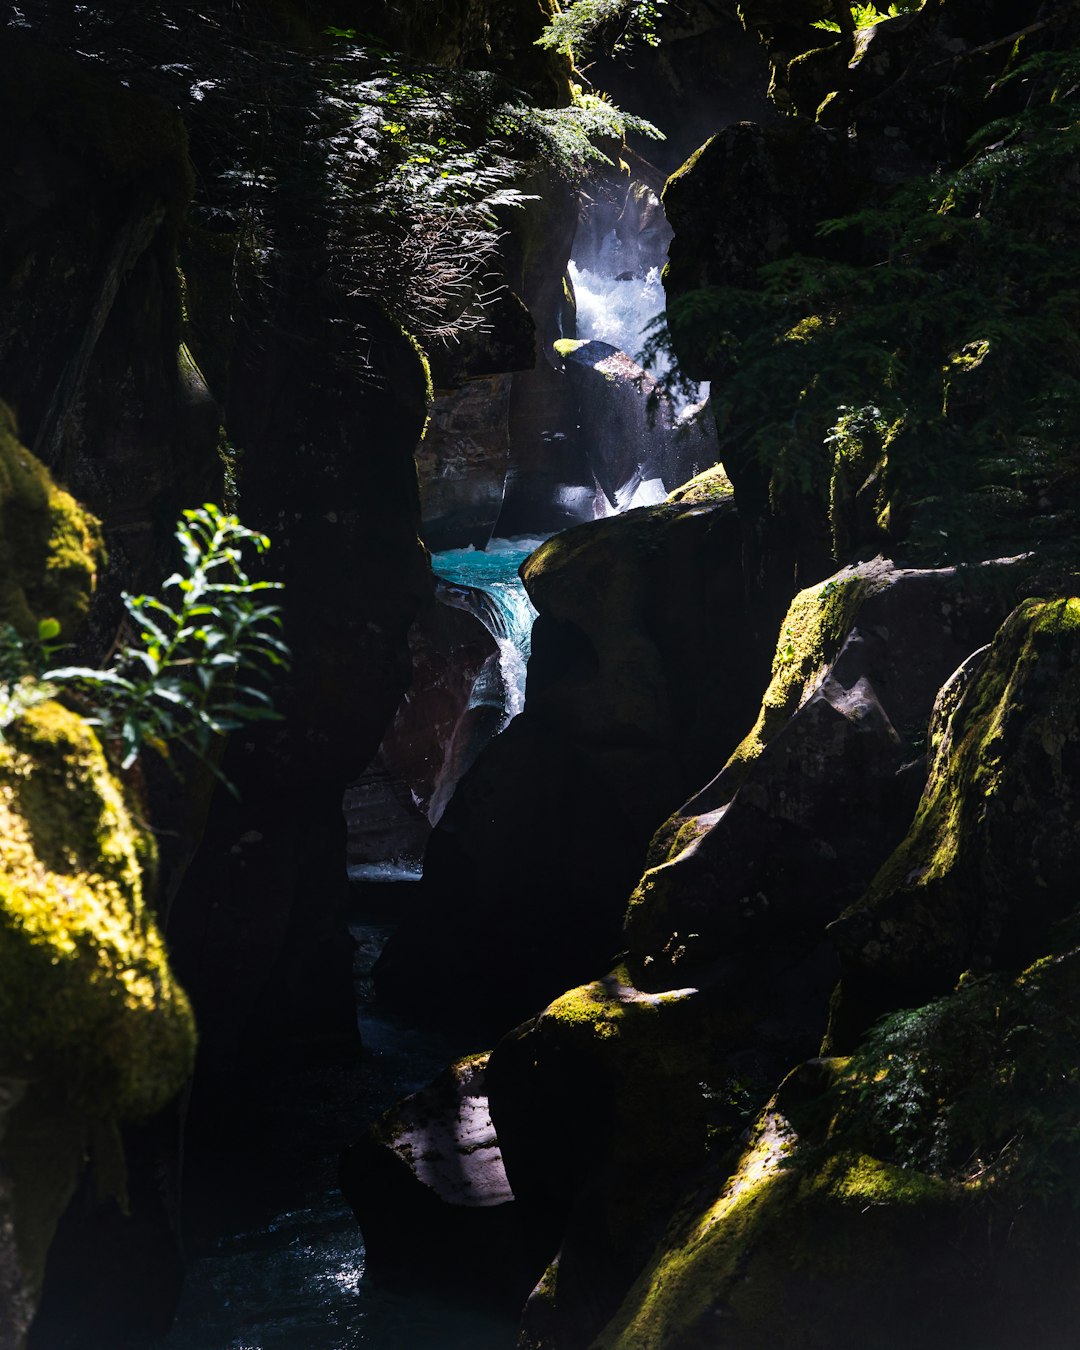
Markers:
814,628
50,548
990,862
711,485
85,986
818,1240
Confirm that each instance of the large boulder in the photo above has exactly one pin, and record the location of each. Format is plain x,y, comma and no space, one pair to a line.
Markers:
94,1029
986,871
890,1195
825,784
602,1085
640,681
430,1192
913,1194
750,195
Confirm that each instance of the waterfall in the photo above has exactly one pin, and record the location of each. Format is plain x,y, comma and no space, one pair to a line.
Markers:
639,439
614,305
627,449
495,572
619,252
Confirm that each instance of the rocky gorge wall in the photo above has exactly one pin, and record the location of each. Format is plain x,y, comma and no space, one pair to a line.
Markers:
812,1094
677,925
155,355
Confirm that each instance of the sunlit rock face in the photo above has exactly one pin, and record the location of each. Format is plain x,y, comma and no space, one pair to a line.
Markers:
826,782
429,1188
921,1186
984,878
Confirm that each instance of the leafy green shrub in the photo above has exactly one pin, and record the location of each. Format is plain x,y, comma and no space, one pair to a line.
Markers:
194,670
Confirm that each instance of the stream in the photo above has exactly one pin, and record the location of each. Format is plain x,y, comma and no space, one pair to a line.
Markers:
276,1257
276,1260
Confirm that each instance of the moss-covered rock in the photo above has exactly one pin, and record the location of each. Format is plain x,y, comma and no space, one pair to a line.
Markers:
50,548
94,1029
86,991
922,1191
882,615
826,782
817,623
990,862
711,485
601,1119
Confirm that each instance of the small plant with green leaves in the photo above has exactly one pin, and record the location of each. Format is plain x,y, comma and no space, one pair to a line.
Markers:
20,659
200,655
865,16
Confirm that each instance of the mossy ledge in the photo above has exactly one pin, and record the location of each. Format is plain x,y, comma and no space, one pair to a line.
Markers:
919,1192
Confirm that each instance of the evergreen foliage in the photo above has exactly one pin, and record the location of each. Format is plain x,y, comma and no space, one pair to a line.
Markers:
347,162
865,16
615,24
935,341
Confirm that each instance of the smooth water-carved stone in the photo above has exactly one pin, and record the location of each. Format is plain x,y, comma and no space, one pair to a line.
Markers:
429,1189
825,784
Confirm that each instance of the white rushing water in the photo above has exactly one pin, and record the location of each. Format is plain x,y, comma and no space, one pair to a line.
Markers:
494,570
613,307
617,304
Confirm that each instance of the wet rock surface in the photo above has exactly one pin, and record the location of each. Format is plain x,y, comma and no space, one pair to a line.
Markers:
430,1191
446,714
